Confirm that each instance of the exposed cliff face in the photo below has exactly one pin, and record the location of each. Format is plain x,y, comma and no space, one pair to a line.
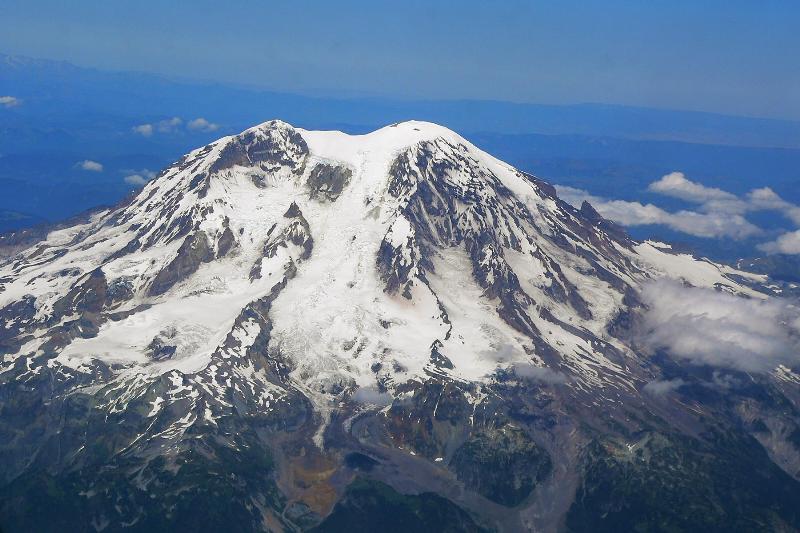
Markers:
283,311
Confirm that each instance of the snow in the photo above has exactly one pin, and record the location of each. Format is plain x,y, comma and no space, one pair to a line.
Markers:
685,267
156,406
400,232
331,318
479,341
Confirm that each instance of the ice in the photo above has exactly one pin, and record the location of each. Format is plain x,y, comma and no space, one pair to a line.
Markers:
334,320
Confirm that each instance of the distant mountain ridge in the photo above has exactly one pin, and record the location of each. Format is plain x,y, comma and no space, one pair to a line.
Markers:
149,96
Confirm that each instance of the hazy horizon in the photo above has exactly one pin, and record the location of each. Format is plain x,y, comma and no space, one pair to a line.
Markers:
543,52
354,95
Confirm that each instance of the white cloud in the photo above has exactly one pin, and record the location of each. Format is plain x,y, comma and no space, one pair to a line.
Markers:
135,179
765,199
676,185
720,213
713,200
707,225
201,124
788,243
661,387
149,174
372,396
501,352
169,125
91,166
507,352
538,373
172,125
10,101
145,130
575,196
720,329
712,225
139,177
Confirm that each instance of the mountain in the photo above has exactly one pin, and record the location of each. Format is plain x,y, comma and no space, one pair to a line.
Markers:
306,330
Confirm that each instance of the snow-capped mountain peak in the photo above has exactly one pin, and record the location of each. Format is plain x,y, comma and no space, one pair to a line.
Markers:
309,297
375,251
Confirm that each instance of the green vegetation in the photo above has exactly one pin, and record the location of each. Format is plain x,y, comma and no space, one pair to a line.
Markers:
670,483
502,465
373,506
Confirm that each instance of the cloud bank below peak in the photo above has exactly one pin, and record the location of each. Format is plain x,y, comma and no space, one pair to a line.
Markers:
718,329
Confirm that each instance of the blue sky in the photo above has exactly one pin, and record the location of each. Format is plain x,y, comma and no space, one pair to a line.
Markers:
737,57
